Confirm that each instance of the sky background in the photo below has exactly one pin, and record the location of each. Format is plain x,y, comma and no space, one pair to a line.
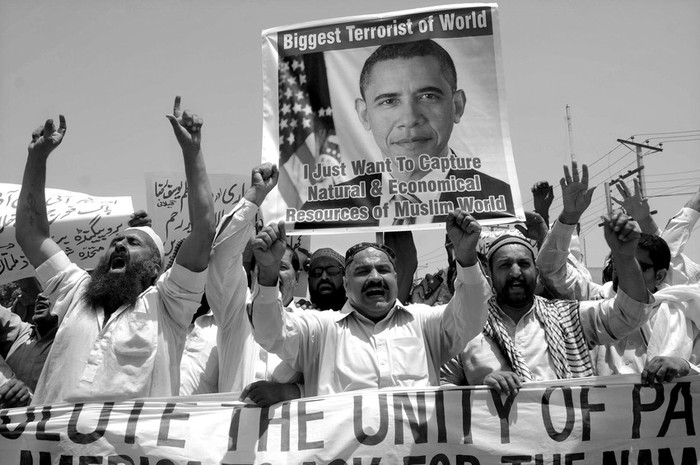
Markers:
626,67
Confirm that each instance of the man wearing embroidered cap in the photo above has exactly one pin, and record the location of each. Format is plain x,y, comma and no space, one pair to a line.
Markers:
373,341
529,338
121,329
326,271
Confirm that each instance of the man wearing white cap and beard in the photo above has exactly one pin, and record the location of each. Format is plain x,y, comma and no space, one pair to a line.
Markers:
121,331
326,272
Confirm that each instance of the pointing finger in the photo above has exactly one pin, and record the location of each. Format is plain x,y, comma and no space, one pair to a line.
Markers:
176,107
48,128
62,124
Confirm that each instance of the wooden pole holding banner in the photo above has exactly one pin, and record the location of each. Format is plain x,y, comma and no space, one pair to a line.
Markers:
379,237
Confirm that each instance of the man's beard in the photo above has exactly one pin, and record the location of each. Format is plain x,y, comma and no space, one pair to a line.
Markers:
517,299
333,301
112,290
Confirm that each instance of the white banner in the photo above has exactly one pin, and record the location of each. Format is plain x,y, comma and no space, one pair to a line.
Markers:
166,194
559,423
81,224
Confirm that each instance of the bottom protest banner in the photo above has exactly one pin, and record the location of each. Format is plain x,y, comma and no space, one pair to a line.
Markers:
559,423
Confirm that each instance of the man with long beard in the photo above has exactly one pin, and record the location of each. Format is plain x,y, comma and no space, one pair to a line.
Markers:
326,272
121,331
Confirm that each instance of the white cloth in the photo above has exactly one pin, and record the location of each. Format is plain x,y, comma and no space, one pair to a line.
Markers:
241,360
199,368
677,232
563,275
136,353
602,322
344,351
672,331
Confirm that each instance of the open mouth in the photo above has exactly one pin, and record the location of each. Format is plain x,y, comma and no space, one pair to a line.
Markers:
118,263
374,292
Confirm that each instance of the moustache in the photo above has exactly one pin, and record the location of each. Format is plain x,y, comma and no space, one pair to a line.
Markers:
374,284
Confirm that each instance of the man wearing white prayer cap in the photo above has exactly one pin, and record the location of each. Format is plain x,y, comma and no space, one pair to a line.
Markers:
123,326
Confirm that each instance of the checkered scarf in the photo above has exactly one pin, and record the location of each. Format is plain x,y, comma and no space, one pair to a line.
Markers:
566,343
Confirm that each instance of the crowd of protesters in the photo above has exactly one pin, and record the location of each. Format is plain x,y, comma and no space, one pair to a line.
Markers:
510,307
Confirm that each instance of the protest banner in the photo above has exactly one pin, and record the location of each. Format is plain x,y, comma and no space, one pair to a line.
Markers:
607,420
166,194
167,199
387,122
81,224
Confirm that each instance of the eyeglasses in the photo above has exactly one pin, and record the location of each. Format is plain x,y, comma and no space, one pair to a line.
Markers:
317,272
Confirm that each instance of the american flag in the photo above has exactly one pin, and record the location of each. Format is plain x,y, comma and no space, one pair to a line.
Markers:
306,130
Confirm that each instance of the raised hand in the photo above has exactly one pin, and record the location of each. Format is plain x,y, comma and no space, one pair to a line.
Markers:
419,291
622,233
268,247
463,231
535,227
187,127
46,138
262,180
576,195
634,204
543,196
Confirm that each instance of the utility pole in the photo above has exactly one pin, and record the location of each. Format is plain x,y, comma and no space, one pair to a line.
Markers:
640,166
571,133
570,127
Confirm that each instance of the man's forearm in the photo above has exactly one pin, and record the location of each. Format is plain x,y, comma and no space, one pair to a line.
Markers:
32,223
648,225
31,207
465,314
194,253
630,277
199,201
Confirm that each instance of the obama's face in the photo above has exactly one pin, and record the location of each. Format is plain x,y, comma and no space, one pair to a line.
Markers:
410,107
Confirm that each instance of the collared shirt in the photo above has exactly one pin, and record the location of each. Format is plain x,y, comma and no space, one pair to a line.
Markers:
602,322
241,360
199,368
344,351
136,353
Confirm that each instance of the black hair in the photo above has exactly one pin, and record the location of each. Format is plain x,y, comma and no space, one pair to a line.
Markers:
406,50
658,250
